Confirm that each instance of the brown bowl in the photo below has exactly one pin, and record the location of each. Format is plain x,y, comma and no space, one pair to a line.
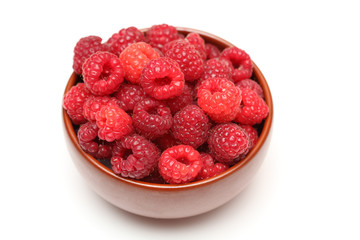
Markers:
165,200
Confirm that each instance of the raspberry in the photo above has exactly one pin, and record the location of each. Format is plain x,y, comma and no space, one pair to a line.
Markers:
151,118
137,159
73,102
191,126
83,49
177,103
199,44
166,141
241,62
94,103
128,95
159,35
210,169
211,51
103,73
251,84
188,59
126,36
162,78
87,134
253,108
252,133
180,164
134,58
219,98
227,142
113,123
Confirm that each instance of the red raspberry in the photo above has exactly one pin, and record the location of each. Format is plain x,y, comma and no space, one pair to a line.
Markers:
177,103
219,98
87,135
188,59
73,102
83,49
251,84
103,73
252,133
253,108
94,103
210,169
137,159
241,62
113,123
128,95
166,141
227,142
191,126
151,118
126,36
159,35
134,59
180,164
211,51
162,78
198,42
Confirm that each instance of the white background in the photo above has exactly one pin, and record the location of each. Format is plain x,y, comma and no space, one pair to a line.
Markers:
308,186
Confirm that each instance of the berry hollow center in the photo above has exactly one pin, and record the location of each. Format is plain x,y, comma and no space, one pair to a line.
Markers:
162,81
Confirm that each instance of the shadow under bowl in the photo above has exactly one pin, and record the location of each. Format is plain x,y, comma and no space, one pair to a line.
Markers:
166,200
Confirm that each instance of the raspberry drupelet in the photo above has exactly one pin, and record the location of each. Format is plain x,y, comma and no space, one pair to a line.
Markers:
180,164
73,103
134,58
151,118
135,157
162,78
219,98
210,168
126,36
83,49
241,62
191,126
113,123
253,108
103,73
227,142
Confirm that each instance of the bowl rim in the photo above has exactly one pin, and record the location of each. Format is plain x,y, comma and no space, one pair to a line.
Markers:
169,187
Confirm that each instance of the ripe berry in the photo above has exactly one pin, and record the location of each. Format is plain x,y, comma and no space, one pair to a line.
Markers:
134,59
162,78
135,157
73,102
210,169
84,48
251,84
113,123
198,42
94,103
241,62
103,73
159,35
211,51
188,58
128,95
185,98
253,108
180,164
151,118
126,36
219,98
227,142
191,126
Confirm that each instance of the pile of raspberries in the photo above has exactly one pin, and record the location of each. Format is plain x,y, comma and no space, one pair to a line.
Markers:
164,107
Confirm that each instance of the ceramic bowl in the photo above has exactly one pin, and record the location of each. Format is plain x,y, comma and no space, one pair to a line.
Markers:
172,201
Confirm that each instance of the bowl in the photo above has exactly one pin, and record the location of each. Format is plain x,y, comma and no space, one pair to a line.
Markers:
165,200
